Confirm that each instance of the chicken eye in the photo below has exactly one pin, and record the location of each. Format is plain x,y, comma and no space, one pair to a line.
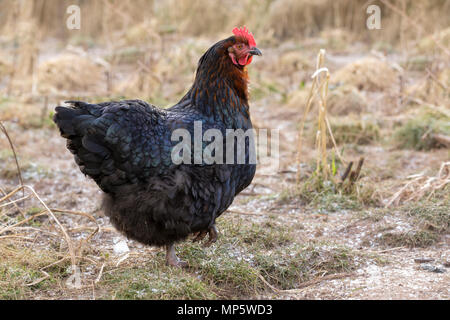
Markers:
239,46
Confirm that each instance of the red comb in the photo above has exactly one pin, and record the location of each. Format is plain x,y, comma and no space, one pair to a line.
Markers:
244,33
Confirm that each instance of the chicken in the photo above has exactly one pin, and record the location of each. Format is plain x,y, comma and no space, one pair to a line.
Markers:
126,148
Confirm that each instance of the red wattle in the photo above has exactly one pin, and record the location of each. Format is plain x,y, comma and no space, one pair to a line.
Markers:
243,61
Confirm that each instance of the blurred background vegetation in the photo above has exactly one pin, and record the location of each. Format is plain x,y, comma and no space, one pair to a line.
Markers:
150,48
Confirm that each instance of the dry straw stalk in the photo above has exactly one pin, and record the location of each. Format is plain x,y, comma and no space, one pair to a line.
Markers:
318,93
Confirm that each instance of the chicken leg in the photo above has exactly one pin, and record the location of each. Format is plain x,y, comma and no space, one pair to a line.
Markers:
172,259
212,233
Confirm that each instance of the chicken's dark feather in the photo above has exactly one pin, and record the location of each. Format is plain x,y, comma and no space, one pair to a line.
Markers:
125,146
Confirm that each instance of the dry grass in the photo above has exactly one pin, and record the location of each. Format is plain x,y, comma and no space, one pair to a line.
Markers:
424,130
5,64
433,88
318,93
356,131
346,100
428,44
343,100
72,73
20,236
368,74
285,18
25,114
421,186
143,36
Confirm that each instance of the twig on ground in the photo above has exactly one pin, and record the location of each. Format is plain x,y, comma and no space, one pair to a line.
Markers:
347,171
50,212
420,186
19,172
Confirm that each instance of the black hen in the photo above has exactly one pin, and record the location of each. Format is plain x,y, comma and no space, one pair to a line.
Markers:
126,147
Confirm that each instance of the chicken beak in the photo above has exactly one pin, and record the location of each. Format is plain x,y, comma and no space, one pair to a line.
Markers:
255,51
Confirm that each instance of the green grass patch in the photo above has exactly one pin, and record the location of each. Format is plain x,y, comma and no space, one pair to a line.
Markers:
354,131
264,235
13,281
329,196
429,219
234,265
412,239
420,133
20,267
289,266
431,216
158,282
226,267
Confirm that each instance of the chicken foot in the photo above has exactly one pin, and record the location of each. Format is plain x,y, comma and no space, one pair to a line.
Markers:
172,259
212,234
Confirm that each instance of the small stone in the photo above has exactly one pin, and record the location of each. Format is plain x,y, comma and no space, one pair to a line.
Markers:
431,268
423,260
121,247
